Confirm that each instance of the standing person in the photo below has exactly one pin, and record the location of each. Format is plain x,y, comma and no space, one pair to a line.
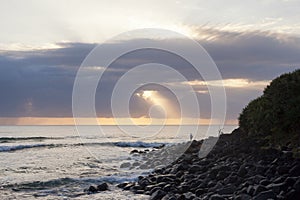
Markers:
191,136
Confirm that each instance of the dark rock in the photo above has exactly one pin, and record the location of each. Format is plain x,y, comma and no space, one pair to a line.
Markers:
154,189
157,195
92,189
295,171
189,196
216,197
211,184
125,165
260,169
183,188
144,166
264,182
165,178
122,185
102,187
231,179
135,188
149,187
242,197
292,195
230,189
250,190
144,182
277,187
290,181
259,189
282,170
222,175
297,185
168,188
128,186
134,151
139,191
179,174
200,191
265,195
257,178
194,169
135,164
279,179
169,197
242,171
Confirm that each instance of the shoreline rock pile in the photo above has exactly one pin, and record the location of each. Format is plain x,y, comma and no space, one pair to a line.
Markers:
237,168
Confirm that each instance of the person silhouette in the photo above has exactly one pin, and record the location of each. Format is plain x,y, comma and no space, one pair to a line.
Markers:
191,136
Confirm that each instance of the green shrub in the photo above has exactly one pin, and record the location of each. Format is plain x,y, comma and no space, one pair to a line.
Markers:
276,114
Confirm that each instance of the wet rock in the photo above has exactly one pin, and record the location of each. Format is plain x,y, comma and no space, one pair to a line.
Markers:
277,187
250,190
102,187
242,197
265,195
92,189
189,196
242,171
157,195
295,171
216,197
125,165
292,194
297,185
290,181
183,188
134,151
121,185
282,170
258,189
195,169
144,166
169,197
230,189
222,175
128,186
168,188
135,164
200,191
264,182
279,180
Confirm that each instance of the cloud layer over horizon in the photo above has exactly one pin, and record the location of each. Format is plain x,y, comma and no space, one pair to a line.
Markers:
39,83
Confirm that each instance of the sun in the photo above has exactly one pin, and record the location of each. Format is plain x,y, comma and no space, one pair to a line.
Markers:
147,94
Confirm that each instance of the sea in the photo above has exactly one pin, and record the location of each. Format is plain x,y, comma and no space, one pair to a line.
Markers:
61,162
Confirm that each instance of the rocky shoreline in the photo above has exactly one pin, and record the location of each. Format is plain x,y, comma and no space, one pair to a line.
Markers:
237,168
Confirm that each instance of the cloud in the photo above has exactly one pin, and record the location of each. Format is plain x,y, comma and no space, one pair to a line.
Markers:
39,83
229,83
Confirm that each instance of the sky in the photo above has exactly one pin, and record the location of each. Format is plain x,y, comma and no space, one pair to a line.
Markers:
43,43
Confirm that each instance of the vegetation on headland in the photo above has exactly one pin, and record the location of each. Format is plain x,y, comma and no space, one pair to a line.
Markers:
275,116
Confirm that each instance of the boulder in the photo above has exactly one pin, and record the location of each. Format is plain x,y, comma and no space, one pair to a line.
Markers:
157,195
295,171
265,195
125,165
216,197
102,187
92,189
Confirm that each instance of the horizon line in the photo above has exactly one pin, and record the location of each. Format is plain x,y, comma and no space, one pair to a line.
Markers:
142,121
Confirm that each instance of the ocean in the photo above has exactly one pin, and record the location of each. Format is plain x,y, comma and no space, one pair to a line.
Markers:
60,162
